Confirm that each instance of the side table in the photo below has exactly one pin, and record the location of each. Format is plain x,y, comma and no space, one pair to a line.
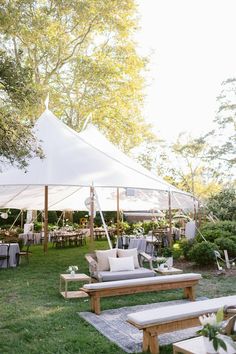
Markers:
169,271
196,346
66,278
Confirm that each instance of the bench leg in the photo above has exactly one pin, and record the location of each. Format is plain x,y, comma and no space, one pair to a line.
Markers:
95,304
190,293
150,342
145,340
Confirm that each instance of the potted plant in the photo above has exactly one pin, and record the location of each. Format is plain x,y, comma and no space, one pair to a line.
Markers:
168,254
72,269
161,262
212,332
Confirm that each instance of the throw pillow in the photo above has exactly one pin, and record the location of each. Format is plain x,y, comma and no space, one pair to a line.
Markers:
102,258
130,252
121,264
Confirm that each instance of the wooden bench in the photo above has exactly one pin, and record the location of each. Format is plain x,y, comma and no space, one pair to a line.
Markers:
173,318
133,286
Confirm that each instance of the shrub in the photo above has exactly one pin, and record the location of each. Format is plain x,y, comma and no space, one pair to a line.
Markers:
233,238
177,251
211,231
227,244
37,226
203,253
167,252
186,246
149,226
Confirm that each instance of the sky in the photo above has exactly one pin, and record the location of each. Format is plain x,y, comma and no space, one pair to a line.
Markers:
191,44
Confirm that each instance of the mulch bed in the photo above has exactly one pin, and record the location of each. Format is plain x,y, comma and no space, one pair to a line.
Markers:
212,270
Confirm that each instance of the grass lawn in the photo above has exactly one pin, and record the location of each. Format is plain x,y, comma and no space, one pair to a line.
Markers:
35,318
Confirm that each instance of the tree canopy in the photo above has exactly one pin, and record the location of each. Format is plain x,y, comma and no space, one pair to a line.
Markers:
17,143
83,53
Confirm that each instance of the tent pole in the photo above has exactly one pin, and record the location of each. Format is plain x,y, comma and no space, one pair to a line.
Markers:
45,245
22,219
91,215
170,220
118,211
103,221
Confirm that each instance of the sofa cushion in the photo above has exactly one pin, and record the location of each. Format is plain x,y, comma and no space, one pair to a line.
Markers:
128,274
127,253
121,264
102,258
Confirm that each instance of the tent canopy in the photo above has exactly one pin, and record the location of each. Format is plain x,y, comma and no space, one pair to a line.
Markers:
75,161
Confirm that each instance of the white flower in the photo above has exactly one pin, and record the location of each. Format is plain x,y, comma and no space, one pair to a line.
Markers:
72,268
209,319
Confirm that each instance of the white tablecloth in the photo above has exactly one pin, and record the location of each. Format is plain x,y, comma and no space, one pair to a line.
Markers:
36,237
14,249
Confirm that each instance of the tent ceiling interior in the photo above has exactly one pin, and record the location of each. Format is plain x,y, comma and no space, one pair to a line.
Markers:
73,163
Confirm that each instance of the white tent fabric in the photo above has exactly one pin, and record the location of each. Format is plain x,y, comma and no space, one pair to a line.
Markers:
73,198
75,161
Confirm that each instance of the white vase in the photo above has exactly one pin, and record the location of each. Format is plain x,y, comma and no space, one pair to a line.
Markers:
72,273
169,262
161,266
209,346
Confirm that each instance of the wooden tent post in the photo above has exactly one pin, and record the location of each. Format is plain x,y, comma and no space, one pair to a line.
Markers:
45,244
170,220
91,215
22,219
118,211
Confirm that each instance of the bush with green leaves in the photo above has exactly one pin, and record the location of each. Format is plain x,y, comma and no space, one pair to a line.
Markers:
149,226
226,244
211,231
203,253
167,252
186,246
233,238
176,250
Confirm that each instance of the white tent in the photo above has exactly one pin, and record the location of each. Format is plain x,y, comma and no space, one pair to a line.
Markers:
75,161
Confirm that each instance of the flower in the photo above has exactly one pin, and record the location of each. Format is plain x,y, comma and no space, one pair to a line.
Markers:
161,260
212,327
72,268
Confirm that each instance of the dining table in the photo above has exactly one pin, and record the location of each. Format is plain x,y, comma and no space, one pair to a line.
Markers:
31,236
13,253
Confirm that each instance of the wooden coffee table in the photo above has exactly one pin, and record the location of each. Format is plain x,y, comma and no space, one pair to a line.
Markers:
195,346
66,278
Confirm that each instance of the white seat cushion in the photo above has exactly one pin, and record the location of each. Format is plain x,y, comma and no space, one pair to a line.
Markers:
142,281
182,311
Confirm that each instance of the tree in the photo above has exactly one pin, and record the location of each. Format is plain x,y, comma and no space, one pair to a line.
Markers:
186,168
82,52
223,204
222,139
17,143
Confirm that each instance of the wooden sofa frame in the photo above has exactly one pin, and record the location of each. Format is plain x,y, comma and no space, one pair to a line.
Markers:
127,287
152,330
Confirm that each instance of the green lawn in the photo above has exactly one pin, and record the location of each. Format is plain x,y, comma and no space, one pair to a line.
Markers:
35,318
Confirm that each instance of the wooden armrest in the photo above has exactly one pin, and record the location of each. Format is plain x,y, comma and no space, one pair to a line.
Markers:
93,265
90,260
147,257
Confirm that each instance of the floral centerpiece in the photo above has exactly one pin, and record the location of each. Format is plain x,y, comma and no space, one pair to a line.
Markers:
212,331
161,262
72,269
